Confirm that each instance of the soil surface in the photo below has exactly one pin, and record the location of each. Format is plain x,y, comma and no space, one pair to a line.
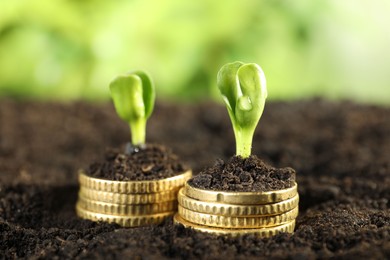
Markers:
340,151
243,175
137,163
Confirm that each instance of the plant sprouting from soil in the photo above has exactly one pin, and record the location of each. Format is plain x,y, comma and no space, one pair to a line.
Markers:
243,88
133,95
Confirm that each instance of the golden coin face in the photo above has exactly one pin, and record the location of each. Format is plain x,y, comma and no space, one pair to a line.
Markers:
129,187
124,221
236,222
230,210
240,198
259,232
119,198
126,209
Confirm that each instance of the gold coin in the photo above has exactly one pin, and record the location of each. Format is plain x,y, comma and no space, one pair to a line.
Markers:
126,209
118,198
124,221
259,232
230,210
240,198
237,222
127,187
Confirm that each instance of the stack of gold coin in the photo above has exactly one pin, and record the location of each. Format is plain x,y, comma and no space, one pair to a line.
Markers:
237,213
129,203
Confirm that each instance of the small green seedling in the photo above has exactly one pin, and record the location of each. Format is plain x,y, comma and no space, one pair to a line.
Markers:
133,95
243,88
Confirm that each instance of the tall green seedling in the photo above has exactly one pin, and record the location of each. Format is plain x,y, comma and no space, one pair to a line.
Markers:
244,91
133,95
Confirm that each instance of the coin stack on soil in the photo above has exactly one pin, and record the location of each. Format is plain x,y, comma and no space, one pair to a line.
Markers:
129,203
237,213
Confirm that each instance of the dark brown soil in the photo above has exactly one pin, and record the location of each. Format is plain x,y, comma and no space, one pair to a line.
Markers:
340,151
239,174
137,163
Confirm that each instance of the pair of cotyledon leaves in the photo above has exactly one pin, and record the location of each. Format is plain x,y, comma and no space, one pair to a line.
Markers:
243,87
133,95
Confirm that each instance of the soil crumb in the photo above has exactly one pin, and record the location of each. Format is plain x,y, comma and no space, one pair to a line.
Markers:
138,163
244,174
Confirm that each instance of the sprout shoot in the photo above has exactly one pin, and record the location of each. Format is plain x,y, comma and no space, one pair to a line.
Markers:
243,88
133,95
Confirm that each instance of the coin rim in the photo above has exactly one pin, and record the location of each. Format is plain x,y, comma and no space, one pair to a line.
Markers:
233,210
259,232
240,198
124,221
126,209
126,187
133,198
237,222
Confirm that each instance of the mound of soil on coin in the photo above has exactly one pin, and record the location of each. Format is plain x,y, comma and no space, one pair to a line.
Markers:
147,162
340,151
243,175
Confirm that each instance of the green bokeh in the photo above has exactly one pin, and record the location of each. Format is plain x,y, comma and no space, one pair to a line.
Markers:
73,49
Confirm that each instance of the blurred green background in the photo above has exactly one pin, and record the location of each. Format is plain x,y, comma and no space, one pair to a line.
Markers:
57,49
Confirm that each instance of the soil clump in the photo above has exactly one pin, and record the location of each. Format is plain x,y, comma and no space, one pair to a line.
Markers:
139,163
243,175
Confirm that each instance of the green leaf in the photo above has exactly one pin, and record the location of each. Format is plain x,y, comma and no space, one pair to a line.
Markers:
126,92
253,88
149,93
228,84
